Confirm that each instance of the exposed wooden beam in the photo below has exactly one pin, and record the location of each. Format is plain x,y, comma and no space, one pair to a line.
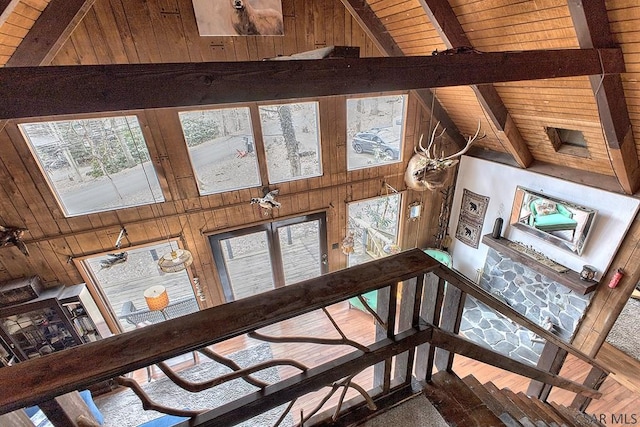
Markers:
4,7
375,29
50,31
452,34
55,90
592,29
361,12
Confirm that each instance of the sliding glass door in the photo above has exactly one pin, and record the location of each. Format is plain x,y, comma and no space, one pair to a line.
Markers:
261,258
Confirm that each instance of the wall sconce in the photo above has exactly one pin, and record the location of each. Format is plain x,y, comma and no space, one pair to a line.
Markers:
415,210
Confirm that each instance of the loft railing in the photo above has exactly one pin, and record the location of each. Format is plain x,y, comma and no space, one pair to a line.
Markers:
410,325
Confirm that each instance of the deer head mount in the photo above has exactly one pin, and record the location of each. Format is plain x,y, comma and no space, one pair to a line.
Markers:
425,170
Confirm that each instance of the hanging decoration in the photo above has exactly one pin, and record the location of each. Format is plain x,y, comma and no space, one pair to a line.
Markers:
113,259
348,243
176,260
472,212
268,202
13,236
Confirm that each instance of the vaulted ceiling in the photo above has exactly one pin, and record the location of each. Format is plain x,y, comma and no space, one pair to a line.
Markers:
514,114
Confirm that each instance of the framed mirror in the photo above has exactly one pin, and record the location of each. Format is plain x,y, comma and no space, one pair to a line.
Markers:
559,222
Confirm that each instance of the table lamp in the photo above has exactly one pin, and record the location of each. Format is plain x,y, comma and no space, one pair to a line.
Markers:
157,299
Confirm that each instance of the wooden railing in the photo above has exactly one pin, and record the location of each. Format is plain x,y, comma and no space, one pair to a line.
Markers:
410,325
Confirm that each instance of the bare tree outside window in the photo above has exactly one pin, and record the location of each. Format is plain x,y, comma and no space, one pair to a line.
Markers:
94,165
292,141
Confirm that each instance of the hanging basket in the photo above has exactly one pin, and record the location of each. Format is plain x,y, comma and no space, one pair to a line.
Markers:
175,261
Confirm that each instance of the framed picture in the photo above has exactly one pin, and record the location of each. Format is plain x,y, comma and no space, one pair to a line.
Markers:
239,17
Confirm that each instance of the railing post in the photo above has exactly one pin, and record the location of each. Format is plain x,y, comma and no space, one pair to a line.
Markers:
408,317
379,377
594,379
451,318
551,360
430,310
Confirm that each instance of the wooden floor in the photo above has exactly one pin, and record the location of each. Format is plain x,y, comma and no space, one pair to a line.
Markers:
359,326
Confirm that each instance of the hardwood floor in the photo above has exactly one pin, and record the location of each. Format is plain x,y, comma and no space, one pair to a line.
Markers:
359,326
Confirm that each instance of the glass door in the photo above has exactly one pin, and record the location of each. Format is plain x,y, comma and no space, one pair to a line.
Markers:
261,258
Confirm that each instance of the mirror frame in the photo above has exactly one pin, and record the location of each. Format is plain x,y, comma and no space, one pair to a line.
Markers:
524,196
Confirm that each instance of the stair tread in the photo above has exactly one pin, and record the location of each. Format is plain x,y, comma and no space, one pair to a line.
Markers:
457,404
509,406
531,414
553,419
576,418
492,403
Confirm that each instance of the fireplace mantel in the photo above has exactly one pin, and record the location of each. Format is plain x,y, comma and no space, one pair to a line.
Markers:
570,278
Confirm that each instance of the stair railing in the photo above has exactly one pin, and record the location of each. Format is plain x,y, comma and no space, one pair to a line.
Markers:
410,323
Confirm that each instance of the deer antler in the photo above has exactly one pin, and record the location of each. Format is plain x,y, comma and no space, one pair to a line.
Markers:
427,151
470,140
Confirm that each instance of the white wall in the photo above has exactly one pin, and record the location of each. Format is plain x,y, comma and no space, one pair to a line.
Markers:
499,182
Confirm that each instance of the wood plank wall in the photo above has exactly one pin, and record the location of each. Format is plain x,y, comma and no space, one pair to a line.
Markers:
136,31
15,22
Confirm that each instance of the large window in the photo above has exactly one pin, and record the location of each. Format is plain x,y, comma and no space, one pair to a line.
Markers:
375,129
221,148
122,277
292,141
94,165
374,224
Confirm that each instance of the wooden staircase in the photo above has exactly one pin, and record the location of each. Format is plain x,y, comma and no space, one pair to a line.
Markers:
467,402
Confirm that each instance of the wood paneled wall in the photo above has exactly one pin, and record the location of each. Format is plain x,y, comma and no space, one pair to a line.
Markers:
27,201
15,22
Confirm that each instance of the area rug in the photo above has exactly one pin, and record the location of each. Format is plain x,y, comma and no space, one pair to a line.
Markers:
624,334
125,410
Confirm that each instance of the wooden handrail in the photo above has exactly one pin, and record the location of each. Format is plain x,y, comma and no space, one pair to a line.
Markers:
43,378
470,288
76,368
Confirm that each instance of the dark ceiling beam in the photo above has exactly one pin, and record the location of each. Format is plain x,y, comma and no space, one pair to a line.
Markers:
452,34
592,28
4,6
52,28
375,29
56,90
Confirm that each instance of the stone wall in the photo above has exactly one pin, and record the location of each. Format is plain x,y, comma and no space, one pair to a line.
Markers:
541,300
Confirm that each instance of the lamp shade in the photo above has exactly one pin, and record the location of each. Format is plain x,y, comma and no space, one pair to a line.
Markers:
156,297
175,261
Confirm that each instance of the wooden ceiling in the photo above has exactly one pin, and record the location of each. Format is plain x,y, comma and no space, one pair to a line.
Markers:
515,114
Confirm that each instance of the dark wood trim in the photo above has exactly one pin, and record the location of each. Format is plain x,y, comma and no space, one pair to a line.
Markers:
50,31
375,29
594,379
452,34
456,344
55,90
4,6
313,379
372,26
592,29
551,360
570,279
450,322
456,279
43,378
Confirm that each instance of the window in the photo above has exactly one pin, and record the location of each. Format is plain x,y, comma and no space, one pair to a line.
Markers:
122,277
292,141
221,147
258,259
568,141
95,165
374,223
375,130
